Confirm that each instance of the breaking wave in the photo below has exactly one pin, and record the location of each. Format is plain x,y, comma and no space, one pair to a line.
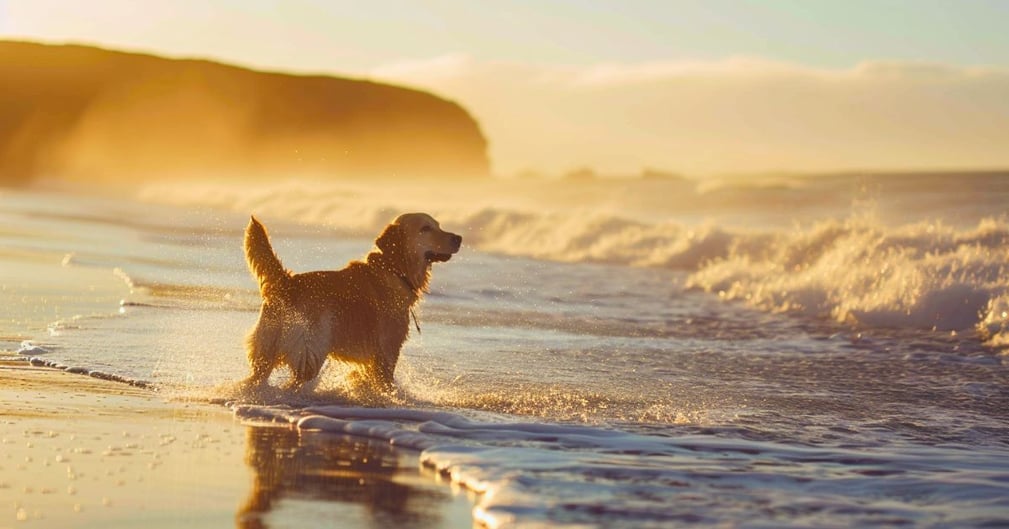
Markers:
921,275
849,268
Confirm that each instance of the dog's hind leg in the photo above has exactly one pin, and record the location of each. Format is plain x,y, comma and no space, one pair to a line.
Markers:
262,346
314,346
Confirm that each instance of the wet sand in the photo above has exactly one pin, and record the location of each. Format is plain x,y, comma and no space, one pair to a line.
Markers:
76,451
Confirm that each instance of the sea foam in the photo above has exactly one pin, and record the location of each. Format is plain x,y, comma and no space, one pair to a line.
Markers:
922,275
548,475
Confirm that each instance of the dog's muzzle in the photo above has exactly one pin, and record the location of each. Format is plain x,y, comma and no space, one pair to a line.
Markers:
435,257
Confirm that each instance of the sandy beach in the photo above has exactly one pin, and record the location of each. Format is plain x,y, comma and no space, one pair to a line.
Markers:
83,452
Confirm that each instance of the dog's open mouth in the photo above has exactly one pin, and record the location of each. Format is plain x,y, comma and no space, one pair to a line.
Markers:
435,257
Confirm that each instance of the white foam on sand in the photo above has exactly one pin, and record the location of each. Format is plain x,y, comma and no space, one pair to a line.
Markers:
27,348
529,474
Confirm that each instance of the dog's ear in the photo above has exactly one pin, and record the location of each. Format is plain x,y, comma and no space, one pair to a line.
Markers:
408,264
391,239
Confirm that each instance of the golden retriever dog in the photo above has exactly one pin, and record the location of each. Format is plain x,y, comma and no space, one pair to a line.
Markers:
359,315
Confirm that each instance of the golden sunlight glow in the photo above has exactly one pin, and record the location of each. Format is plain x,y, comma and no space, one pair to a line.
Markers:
690,87
733,115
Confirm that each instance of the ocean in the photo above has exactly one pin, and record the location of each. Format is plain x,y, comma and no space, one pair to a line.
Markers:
771,351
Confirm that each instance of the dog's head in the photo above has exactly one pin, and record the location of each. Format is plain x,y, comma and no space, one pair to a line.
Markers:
413,242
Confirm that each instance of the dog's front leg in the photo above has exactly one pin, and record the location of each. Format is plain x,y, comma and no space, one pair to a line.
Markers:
387,358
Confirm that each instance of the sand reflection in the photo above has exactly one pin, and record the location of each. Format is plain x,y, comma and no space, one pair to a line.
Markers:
313,478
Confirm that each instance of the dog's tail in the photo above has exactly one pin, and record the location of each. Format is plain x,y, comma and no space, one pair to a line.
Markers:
263,262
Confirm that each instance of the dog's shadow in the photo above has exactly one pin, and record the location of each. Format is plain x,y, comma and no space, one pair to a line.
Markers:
299,475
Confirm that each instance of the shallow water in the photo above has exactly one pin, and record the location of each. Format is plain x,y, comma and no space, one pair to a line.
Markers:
310,479
723,368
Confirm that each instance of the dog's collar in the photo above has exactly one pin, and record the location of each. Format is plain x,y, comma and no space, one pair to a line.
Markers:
416,322
406,281
382,264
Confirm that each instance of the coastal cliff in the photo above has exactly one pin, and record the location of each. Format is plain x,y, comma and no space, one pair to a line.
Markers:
90,114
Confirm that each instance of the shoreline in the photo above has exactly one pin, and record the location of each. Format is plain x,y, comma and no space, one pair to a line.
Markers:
83,451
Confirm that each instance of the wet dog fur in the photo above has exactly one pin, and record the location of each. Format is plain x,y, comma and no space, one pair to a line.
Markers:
359,314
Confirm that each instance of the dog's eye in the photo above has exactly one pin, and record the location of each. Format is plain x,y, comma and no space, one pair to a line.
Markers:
425,229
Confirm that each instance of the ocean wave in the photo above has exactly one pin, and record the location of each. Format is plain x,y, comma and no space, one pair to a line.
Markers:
87,371
497,222
858,269
923,275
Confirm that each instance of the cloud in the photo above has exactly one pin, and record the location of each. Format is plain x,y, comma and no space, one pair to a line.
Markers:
737,114
445,67
614,74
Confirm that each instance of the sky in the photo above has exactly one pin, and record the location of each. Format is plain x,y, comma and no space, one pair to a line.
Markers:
698,87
